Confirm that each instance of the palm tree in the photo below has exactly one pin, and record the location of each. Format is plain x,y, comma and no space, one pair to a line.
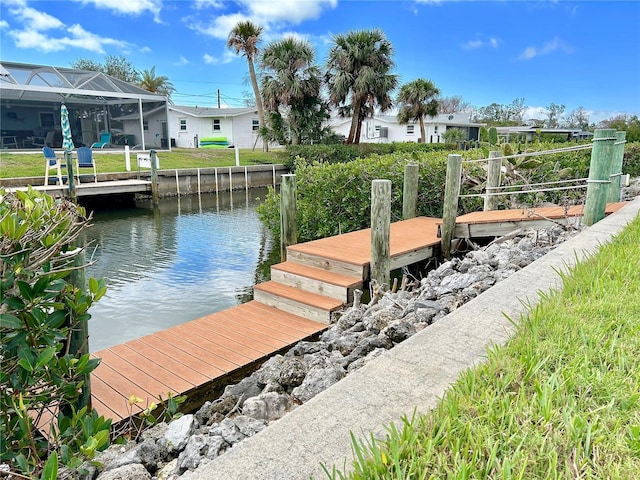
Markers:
244,38
358,75
291,83
156,83
417,99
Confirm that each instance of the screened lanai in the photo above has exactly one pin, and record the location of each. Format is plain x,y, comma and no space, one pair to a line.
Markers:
31,97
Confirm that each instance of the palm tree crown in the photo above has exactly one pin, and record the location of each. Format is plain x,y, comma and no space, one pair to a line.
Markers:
244,39
156,83
358,69
417,99
291,83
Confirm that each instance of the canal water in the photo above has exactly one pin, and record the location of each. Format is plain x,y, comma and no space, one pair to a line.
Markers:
187,258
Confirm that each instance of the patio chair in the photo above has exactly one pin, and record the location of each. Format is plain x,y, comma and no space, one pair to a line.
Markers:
105,141
46,141
84,159
52,162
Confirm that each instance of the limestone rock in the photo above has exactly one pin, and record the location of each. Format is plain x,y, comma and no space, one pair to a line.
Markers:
178,433
134,471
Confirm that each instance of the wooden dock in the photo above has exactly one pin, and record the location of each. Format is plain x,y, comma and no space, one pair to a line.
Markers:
199,358
87,189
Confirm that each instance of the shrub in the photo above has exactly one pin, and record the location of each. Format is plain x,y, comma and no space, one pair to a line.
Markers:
41,378
631,161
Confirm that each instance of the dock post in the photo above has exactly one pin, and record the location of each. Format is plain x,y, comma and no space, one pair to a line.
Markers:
616,167
288,214
154,177
381,232
71,179
79,333
493,180
599,175
450,207
410,191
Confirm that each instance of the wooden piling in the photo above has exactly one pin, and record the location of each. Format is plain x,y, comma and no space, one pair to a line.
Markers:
71,178
288,214
79,332
599,175
450,207
493,180
613,194
410,191
155,197
380,232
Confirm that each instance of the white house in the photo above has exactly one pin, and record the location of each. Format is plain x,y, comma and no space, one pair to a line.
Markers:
188,126
386,129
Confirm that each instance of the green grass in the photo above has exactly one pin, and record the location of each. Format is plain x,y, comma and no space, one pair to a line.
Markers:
13,165
560,401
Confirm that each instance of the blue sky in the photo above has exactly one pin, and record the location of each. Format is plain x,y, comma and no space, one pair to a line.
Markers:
576,53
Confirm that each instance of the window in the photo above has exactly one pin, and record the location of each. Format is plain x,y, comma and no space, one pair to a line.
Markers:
145,125
410,129
435,129
215,124
183,124
47,119
255,125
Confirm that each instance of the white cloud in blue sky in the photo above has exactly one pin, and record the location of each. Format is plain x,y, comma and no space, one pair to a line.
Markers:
486,52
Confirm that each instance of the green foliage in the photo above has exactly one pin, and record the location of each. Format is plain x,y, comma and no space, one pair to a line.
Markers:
335,197
631,161
560,400
41,379
484,134
454,135
493,136
115,66
339,153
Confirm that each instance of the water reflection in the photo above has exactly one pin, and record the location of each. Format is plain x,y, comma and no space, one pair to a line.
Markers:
182,260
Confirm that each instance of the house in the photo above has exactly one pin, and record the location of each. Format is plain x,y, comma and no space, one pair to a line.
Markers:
529,133
386,129
31,97
201,127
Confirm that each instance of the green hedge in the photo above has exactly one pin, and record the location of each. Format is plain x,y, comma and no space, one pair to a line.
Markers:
339,153
335,197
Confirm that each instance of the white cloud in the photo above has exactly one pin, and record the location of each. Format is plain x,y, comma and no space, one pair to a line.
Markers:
44,32
556,44
146,49
537,113
271,15
182,61
202,4
227,57
478,43
36,20
4,24
128,7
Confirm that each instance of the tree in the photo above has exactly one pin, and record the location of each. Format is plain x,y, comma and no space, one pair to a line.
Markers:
501,114
243,39
291,91
156,83
358,77
578,118
554,113
417,99
116,66
455,104
625,123
454,135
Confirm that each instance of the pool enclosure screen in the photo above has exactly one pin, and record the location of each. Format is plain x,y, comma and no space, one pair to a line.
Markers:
31,97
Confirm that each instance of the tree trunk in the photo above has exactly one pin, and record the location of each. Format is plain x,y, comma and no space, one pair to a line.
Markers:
423,134
356,139
354,122
256,92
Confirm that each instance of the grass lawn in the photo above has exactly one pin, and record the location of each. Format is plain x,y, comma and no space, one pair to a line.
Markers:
13,165
561,400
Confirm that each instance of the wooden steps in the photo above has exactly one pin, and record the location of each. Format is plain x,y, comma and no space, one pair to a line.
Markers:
315,280
297,301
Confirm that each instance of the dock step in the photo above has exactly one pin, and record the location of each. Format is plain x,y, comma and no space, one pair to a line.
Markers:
296,254
315,280
299,302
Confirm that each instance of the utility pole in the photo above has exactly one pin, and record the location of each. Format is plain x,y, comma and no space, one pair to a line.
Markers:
218,98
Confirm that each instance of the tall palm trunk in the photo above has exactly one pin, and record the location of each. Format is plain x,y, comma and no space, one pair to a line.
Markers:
355,120
256,92
423,134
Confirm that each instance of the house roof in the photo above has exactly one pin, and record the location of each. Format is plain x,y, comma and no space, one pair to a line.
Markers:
206,112
38,83
451,120
532,129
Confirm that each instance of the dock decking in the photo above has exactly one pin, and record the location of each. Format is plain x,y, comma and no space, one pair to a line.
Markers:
111,187
199,358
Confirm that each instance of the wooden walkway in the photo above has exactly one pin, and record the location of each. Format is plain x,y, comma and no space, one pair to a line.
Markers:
90,188
199,358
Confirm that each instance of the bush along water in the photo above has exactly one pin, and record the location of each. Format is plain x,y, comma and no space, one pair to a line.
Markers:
335,198
42,424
